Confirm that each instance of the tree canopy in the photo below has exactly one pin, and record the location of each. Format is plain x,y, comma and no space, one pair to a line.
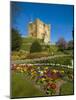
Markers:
62,44
15,40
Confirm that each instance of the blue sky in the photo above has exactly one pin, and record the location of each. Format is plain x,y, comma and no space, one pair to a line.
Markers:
60,17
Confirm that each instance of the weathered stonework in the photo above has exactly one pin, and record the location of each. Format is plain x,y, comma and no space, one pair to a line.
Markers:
39,30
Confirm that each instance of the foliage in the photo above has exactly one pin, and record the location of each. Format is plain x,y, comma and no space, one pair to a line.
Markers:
22,55
45,77
57,60
19,55
16,40
35,47
70,44
62,44
27,42
53,49
37,55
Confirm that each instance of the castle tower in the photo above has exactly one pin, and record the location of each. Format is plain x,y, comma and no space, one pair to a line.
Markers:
39,30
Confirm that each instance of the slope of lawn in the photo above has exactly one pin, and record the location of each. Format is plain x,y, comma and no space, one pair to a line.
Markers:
21,87
67,89
27,41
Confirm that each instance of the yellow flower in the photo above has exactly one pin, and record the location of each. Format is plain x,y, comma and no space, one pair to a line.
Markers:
18,68
45,71
32,70
21,71
62,71
54,70
46,67
25,70
43,79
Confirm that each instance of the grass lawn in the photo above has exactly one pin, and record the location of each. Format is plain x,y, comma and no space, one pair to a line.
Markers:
21,87
26,43
67,88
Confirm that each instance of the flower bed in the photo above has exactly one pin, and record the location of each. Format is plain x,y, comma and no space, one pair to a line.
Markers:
46,77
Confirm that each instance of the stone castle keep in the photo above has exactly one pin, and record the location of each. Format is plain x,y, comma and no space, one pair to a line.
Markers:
39,30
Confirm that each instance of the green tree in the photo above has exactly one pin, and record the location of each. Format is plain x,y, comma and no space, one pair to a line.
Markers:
35,47
15,40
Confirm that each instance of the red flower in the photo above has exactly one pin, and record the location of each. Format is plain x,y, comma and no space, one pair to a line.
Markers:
53,85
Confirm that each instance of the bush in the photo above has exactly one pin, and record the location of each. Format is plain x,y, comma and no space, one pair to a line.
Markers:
35,47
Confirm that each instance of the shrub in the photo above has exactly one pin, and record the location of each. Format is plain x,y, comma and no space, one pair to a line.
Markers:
35,47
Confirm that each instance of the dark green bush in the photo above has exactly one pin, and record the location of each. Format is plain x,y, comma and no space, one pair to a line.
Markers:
35,47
